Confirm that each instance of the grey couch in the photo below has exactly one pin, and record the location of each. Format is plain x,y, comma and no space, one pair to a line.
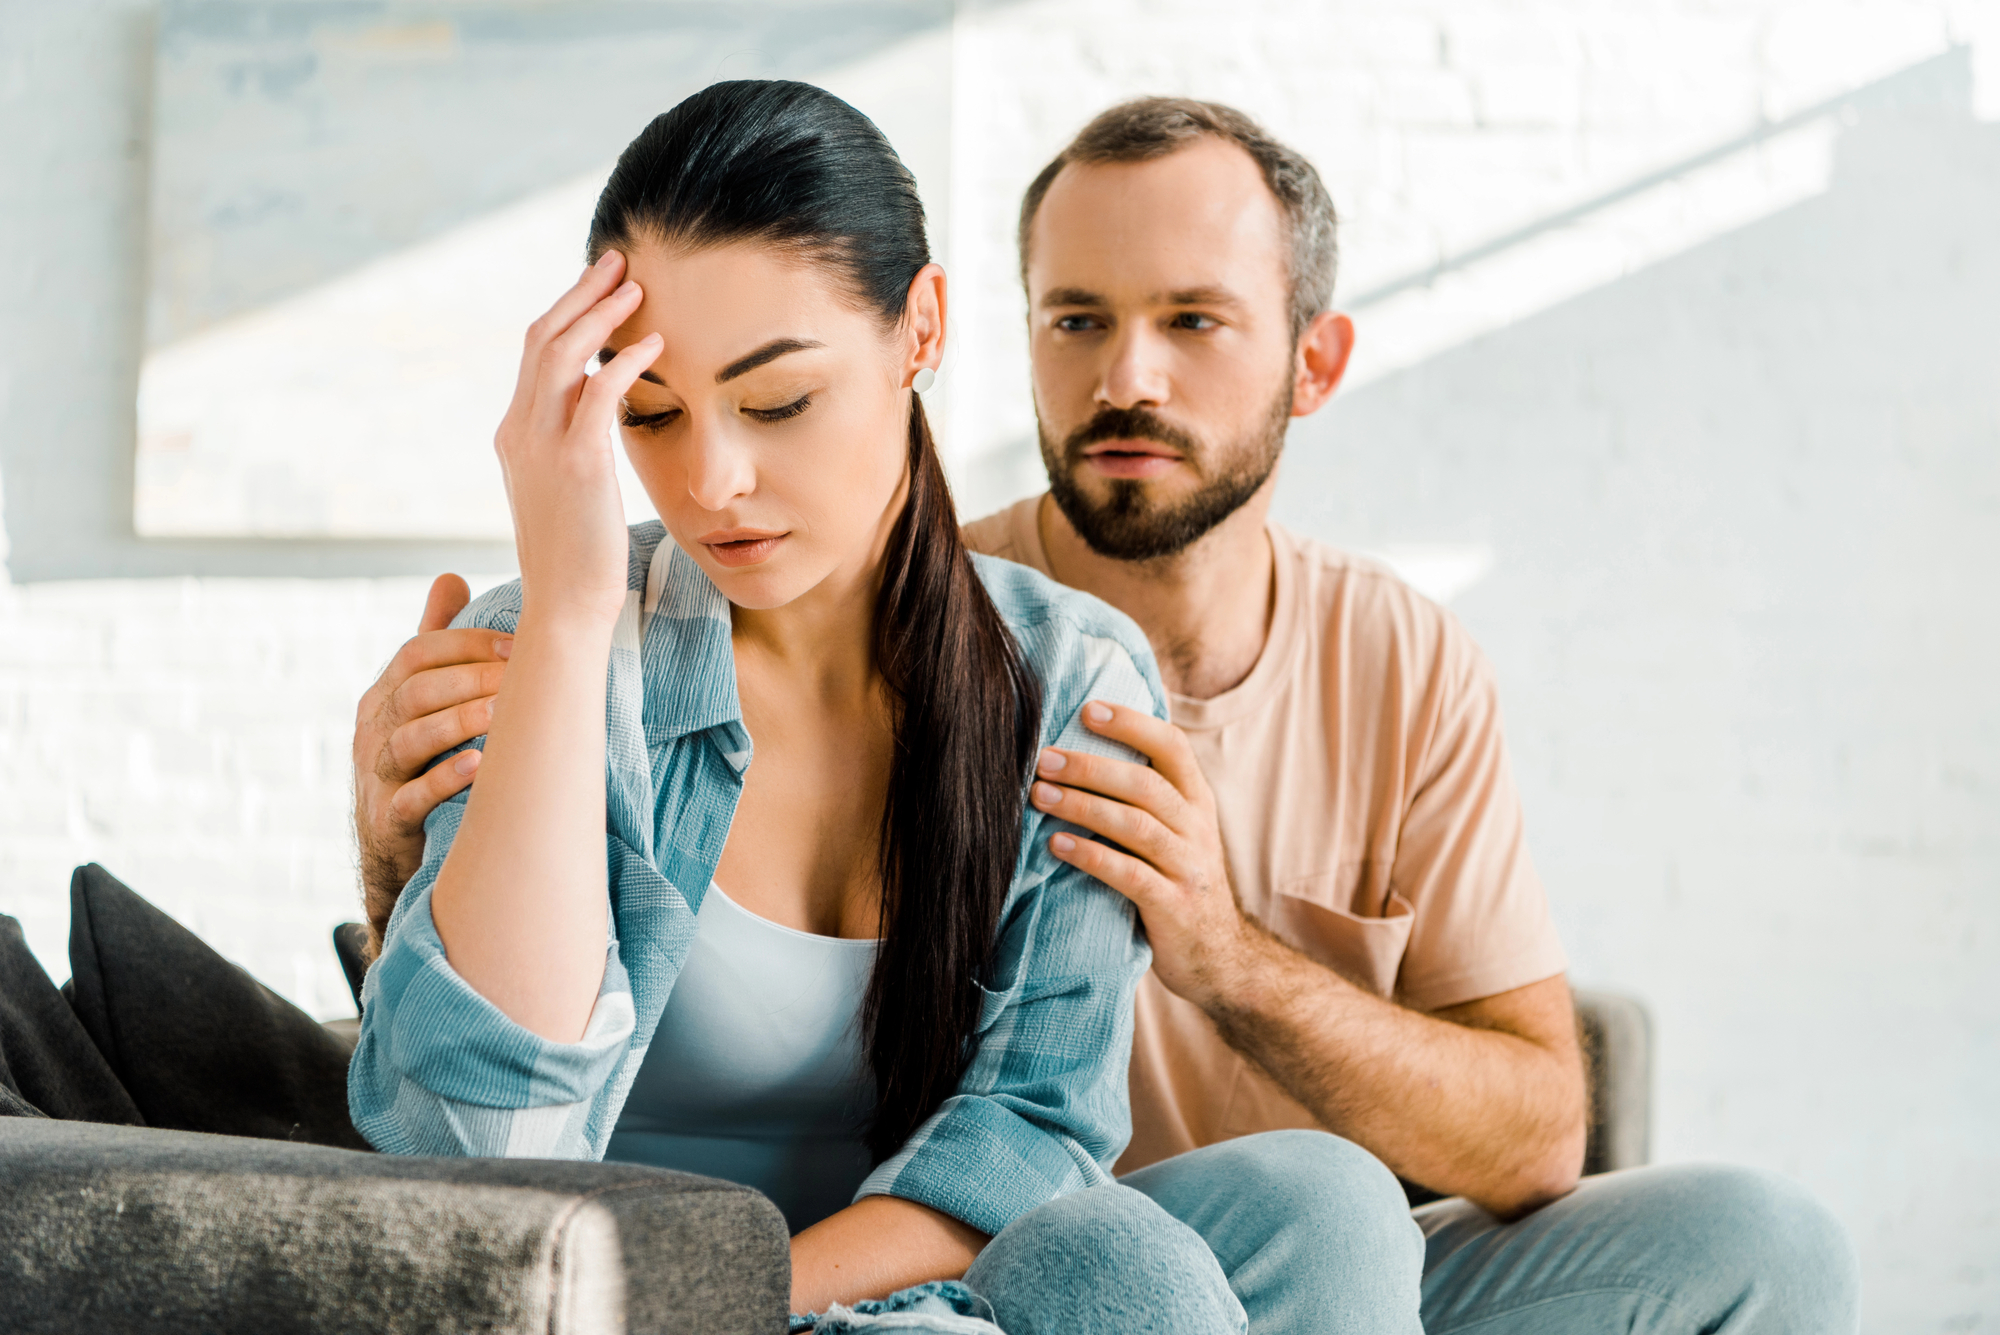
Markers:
117,1230
130,1229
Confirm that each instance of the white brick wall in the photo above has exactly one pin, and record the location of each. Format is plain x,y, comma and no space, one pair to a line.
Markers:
192,736
1741,629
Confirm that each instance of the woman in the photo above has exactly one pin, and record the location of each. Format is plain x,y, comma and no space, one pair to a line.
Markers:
850,972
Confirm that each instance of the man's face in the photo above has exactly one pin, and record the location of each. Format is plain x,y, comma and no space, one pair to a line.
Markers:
1159,327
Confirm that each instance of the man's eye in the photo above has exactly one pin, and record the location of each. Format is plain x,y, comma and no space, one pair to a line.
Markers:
1076,324
1194,320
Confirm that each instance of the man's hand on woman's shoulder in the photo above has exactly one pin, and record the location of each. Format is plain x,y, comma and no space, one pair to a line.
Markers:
435,694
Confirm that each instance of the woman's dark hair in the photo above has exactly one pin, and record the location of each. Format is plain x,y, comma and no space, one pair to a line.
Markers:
793,166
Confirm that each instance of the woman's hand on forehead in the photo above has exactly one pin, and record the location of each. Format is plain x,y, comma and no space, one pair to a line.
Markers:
555,448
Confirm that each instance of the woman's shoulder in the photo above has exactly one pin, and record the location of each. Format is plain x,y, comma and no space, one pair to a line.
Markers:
499,608
1078,644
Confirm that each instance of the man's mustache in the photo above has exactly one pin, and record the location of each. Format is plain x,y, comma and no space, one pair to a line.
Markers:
1128,424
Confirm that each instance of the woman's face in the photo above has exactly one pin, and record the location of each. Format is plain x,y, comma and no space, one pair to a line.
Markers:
772,431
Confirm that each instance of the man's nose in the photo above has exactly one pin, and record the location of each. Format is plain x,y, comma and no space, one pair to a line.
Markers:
1136,375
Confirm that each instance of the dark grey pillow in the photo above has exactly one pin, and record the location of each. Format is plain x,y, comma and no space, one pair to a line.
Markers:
197,1043
48,1065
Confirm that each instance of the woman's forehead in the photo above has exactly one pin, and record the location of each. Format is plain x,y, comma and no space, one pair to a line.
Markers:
716,305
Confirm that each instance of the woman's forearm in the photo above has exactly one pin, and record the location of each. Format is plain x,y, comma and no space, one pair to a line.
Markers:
876,1246
520,902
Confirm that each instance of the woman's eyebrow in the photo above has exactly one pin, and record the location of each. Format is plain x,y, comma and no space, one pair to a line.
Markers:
770,352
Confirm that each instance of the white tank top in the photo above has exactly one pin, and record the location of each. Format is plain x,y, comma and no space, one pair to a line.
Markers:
756,1073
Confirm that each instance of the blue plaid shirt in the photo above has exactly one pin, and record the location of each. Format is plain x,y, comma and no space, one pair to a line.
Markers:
1042,1109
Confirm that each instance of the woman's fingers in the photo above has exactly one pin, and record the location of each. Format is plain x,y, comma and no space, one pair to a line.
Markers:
597,283
595,409
566,356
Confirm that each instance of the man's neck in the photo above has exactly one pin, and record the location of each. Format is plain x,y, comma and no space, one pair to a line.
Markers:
1200,609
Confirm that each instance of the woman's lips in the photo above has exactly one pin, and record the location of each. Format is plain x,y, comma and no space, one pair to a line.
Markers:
741,548
1130,458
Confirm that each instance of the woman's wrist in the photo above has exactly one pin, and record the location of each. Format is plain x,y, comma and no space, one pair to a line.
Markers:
566,621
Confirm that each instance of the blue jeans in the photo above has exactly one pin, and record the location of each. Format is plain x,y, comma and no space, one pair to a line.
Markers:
1296,1231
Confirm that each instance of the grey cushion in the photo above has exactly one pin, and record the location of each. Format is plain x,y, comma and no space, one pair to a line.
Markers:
131,1229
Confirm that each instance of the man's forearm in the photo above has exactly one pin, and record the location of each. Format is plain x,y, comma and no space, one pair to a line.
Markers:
1455,1101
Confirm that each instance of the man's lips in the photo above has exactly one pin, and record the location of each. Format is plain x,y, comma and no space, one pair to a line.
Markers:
741,546
1131,458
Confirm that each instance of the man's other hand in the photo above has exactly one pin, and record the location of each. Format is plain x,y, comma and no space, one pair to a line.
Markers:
1169,861
436,693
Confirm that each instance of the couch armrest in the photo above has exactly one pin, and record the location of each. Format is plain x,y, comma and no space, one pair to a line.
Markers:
1617,1038
108,1228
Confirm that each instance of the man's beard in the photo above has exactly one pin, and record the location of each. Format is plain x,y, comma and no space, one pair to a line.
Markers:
1124,526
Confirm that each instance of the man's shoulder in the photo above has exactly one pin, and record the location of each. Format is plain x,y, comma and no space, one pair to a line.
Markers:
1374,612
1009,533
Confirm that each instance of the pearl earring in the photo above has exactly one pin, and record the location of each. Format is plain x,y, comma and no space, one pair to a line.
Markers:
923,380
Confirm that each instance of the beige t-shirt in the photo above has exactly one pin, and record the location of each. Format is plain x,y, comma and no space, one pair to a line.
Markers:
1368,818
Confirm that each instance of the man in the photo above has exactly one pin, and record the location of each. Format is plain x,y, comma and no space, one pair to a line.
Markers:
1327,851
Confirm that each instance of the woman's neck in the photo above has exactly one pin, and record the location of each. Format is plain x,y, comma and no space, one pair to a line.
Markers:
820,646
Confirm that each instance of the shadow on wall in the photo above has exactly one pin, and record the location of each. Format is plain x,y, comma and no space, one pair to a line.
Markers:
285,143
1745,510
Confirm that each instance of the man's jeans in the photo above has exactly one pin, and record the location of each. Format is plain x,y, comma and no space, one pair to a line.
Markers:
1297,1231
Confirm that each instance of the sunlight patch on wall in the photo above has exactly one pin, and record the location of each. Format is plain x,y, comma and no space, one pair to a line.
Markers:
1570,258
361,402
364,407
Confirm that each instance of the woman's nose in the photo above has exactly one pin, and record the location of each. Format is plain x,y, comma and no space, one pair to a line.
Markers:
719,470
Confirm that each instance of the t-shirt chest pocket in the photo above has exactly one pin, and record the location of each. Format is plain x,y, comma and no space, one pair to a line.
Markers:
1316,915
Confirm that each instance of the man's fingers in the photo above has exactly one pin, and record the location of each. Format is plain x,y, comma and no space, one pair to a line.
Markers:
1123,824
1124,873
1156,739
444,648
1123,780
421,740
420,796
444,687
448,597
597,282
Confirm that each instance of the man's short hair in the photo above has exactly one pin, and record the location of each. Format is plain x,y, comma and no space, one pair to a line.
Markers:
1153,127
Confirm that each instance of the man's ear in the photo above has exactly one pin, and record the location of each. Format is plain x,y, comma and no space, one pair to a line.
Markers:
1322,360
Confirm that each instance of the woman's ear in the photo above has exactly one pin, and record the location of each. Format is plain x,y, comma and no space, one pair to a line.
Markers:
923,322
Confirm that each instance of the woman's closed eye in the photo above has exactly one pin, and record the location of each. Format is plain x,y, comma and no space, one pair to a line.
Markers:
782,412
655,421
639,421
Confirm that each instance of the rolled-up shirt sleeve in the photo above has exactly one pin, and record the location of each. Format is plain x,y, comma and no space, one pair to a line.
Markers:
441,1070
